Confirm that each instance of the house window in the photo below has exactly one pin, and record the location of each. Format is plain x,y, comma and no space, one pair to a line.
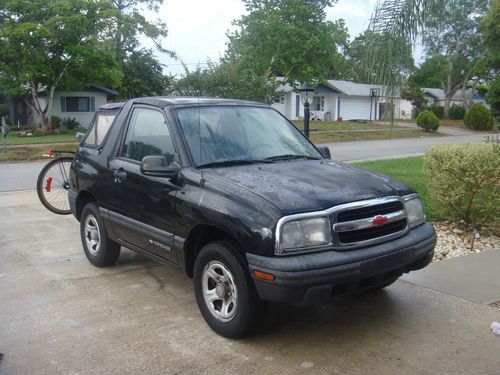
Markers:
279,99
77,104
318,103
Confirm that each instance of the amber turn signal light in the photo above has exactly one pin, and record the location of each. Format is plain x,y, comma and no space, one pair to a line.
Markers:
264,276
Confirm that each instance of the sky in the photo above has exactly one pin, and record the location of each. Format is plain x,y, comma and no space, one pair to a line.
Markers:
197,28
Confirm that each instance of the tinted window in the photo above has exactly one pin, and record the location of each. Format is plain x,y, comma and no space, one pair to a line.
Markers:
102,124
147,134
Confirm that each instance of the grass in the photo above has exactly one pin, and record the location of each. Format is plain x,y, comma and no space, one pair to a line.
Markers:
365,136
31,152
409,171
15,139
342,126
450,122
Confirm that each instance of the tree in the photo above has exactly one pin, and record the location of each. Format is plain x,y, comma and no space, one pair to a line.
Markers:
493,96
143,73
129,24
50,44
490,28
450,29
288,38
225,80
454,33
369,44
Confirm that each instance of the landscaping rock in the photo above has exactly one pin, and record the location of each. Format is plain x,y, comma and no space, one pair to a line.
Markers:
454,240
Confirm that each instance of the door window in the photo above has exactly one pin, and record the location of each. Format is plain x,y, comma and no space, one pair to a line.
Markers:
147,134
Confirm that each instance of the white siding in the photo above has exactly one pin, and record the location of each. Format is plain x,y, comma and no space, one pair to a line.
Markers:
84,118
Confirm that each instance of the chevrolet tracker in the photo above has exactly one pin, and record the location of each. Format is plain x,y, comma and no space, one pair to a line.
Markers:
231,193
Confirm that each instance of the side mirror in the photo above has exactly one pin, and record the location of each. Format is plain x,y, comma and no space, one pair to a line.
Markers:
157,165
325,151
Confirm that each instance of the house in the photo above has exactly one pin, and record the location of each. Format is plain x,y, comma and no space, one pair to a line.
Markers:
436,97
78,104
335,99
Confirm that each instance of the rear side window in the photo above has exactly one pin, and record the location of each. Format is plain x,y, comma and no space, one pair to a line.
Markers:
100,128
147,135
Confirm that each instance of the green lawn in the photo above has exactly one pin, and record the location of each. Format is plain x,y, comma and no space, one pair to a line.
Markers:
15,139
335,126
366,136
32,152
407,170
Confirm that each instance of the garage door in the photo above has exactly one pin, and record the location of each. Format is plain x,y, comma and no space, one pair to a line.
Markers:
355,109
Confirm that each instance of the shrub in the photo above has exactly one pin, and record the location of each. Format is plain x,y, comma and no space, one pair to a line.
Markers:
428,121
56,122
456,112
479,118
70,123
463,182
437,110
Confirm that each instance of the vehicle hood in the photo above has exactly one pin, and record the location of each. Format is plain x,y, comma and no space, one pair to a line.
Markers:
308,185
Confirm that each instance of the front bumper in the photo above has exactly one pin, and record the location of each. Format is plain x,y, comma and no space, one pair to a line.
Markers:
309,278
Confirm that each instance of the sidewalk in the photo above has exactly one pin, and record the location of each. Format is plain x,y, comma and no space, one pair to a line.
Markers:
475,278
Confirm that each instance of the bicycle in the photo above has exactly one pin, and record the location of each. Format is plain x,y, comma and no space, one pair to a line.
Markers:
52,184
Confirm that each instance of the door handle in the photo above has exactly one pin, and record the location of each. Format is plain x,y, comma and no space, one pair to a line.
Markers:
119,174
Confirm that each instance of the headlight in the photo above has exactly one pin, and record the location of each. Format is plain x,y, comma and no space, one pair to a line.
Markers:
414,210
298,234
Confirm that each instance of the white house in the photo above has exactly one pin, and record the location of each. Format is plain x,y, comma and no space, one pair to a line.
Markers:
340,99
80,105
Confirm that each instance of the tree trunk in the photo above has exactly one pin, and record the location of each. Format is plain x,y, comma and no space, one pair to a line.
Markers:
448,94
43,113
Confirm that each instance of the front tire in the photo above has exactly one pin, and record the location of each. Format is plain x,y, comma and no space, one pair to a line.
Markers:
100,250
224,291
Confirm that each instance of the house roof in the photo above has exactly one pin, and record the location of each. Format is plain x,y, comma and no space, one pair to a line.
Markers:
347,88
352,88
103,89
439,93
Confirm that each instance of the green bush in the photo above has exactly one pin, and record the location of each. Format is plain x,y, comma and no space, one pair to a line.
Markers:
456,112
479,118
428,121
70,123
437,110
56,122
463,182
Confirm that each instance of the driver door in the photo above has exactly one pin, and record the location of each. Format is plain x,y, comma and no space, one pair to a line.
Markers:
144,205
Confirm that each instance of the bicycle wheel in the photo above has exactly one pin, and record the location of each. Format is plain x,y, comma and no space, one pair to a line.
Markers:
52,185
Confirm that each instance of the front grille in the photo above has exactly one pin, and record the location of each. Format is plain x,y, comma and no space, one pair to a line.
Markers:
369,211
354,225
373,232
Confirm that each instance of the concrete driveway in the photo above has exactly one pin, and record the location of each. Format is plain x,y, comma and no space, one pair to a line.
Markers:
60,315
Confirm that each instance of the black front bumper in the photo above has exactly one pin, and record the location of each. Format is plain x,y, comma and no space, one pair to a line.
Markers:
308,278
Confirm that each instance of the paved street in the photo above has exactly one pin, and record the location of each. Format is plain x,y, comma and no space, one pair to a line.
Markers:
60,315
392,148
21,176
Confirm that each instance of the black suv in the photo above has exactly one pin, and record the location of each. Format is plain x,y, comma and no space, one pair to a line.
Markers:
234,195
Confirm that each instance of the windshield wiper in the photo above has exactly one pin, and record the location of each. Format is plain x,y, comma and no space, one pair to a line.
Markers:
290,157
222,163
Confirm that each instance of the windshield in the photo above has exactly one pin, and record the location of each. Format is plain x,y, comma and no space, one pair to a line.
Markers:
224,134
